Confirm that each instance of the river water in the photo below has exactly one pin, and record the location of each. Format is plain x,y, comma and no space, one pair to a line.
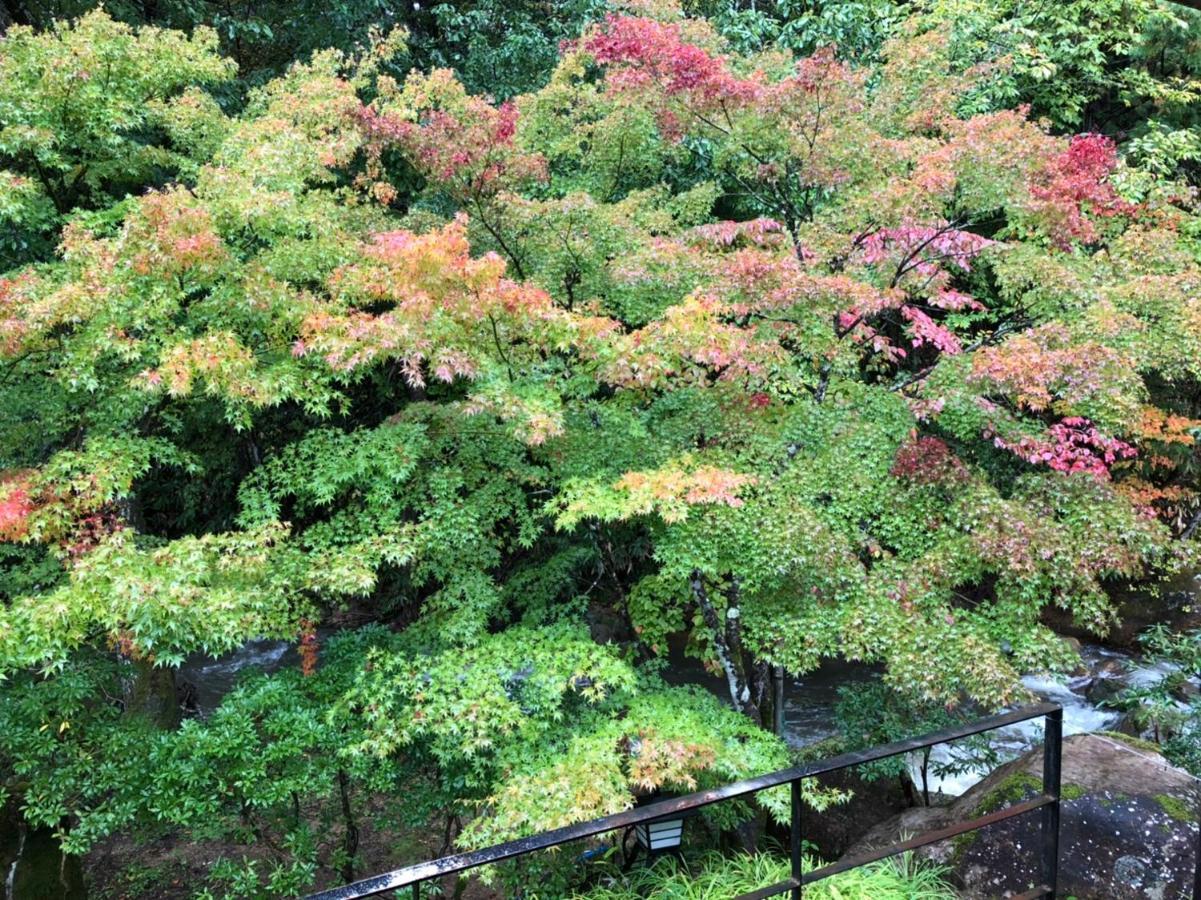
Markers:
809,705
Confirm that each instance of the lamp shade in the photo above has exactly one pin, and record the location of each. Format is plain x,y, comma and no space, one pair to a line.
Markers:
660,835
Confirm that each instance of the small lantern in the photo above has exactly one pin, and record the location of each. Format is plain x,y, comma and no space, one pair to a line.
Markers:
660,836
656,836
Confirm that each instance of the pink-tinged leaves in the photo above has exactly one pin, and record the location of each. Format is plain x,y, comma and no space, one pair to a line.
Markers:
459,141
15,505
1075,188
1071,445
761,232
923,249
924,330
956,301
1046,366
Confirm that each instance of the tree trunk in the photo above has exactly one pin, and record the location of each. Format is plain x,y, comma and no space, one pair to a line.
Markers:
746,679
151,693
777,700
350,844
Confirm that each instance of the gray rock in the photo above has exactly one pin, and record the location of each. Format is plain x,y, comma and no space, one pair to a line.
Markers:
1105,687
1127,826
1186,691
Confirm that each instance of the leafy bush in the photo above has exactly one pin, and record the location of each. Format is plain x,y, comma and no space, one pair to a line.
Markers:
717,877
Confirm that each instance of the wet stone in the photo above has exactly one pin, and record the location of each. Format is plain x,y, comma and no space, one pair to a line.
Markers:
1127,827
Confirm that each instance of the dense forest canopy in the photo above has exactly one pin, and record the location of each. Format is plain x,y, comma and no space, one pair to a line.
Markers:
487,350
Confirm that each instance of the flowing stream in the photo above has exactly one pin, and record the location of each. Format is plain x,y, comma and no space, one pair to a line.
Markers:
1081,715
809,704
208,680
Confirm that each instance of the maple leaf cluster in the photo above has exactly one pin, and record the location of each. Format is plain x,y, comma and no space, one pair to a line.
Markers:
1075,189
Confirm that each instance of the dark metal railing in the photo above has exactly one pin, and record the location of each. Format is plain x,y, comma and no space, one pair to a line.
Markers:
672,808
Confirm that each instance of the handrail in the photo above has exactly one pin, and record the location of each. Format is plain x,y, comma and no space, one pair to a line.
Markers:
673,807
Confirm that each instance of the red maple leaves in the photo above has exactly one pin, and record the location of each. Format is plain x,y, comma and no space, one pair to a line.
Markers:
15,504
647,50
1072,444
1074,189
462,142
927,460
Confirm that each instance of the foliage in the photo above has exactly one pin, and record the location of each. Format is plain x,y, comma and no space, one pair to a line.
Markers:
92,110
1169,708
788,358
714,876
871,714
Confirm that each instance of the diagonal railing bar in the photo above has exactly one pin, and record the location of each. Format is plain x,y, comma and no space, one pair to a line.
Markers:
673,807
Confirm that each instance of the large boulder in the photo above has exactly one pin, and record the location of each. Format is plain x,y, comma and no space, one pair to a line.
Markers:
1127,826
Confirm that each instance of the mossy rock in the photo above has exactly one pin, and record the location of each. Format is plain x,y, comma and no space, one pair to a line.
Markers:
1131,741
1179,809
1013,789
1126,825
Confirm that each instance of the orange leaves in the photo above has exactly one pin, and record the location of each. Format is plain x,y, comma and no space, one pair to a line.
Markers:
704,484
1045,369
1153,500
447,309
1166,428
172,235
669,491
419,272
1167,440
309,647
663,762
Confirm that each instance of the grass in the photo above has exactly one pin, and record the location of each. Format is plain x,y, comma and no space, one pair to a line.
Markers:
717,877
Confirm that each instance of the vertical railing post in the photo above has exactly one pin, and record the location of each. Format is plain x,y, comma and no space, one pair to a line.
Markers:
1052,770
417,891
795,838
1197,847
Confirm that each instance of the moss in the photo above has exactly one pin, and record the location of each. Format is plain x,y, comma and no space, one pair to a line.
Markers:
831,746
1071,792
1176,808
960,844
1109,800
1136,743
1010,790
